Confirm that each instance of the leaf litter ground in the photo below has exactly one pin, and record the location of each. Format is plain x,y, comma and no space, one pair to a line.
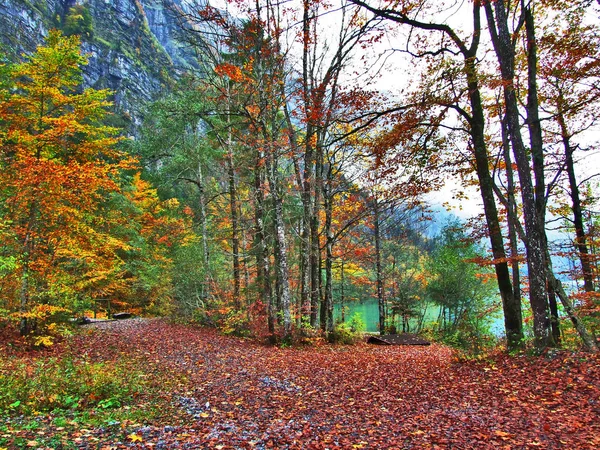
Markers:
222,392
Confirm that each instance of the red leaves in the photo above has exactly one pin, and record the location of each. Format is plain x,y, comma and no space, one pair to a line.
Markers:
235,393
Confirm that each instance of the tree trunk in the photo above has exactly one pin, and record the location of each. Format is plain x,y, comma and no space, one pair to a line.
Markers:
511,305
235,240
204,226
305,261
303,181
329,253
260,245
315,246
284,298
24,298
537,152
246,273
588,340
535,243
554,319
24,324
278,294
512,214
580,236
307,180
342,296
380,296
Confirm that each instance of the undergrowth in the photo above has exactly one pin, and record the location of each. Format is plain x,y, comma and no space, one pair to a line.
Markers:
32,386
70,393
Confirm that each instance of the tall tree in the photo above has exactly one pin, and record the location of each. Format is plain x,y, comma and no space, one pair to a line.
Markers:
569,70
58,161
407,14
533,187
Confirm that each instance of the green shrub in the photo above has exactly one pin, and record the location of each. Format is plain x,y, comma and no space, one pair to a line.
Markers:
235,323
468,340
78,21
65,384
349,332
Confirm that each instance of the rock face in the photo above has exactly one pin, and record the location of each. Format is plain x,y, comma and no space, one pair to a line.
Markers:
133,45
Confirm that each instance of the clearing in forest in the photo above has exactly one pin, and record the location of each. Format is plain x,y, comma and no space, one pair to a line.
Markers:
204,390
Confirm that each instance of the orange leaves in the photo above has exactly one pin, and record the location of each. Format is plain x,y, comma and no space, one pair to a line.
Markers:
253,111
390,397
158,224
234,73
60,166
590,303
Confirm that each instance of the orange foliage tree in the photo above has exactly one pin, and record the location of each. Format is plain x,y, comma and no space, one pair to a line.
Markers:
155,230
58,162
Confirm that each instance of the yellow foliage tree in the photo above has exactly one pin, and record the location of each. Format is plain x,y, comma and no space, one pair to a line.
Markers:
58,162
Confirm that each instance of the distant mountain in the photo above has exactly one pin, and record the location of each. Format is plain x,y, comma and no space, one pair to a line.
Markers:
133,45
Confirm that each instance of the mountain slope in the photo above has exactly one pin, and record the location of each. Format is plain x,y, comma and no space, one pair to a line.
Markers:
132,44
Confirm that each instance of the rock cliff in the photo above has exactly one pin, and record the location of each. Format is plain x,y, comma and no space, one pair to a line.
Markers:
133,45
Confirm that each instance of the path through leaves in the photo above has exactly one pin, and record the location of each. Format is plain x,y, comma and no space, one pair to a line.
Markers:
223,392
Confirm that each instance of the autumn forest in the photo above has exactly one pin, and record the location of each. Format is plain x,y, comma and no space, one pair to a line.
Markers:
306,166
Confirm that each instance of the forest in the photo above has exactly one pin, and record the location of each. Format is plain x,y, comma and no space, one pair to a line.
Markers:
289,174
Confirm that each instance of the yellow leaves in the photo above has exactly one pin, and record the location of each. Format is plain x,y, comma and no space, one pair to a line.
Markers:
502,435
43,341
135,437
171,203
351,270
40,312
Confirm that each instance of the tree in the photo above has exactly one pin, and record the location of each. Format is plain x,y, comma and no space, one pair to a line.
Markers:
460,287
569,70
451,43
530,167
155,232
58,161
532,191
323,100
179,150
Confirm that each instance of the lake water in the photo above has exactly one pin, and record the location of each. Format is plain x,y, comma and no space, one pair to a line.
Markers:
369,312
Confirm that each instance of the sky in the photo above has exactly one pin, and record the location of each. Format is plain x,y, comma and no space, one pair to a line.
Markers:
398,75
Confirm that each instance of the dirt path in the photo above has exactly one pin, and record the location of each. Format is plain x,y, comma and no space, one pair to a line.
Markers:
232,393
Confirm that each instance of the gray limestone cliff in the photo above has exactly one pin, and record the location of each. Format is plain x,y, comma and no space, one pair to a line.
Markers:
133,45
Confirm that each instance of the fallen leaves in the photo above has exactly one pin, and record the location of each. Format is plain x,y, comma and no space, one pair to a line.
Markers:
246,395
135,438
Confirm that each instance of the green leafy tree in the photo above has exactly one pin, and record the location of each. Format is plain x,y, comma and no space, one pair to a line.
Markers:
460,287
78,21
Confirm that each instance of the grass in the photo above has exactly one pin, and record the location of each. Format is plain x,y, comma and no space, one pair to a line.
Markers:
67,383
68,393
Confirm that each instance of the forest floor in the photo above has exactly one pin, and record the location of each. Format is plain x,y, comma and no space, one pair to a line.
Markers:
204,390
